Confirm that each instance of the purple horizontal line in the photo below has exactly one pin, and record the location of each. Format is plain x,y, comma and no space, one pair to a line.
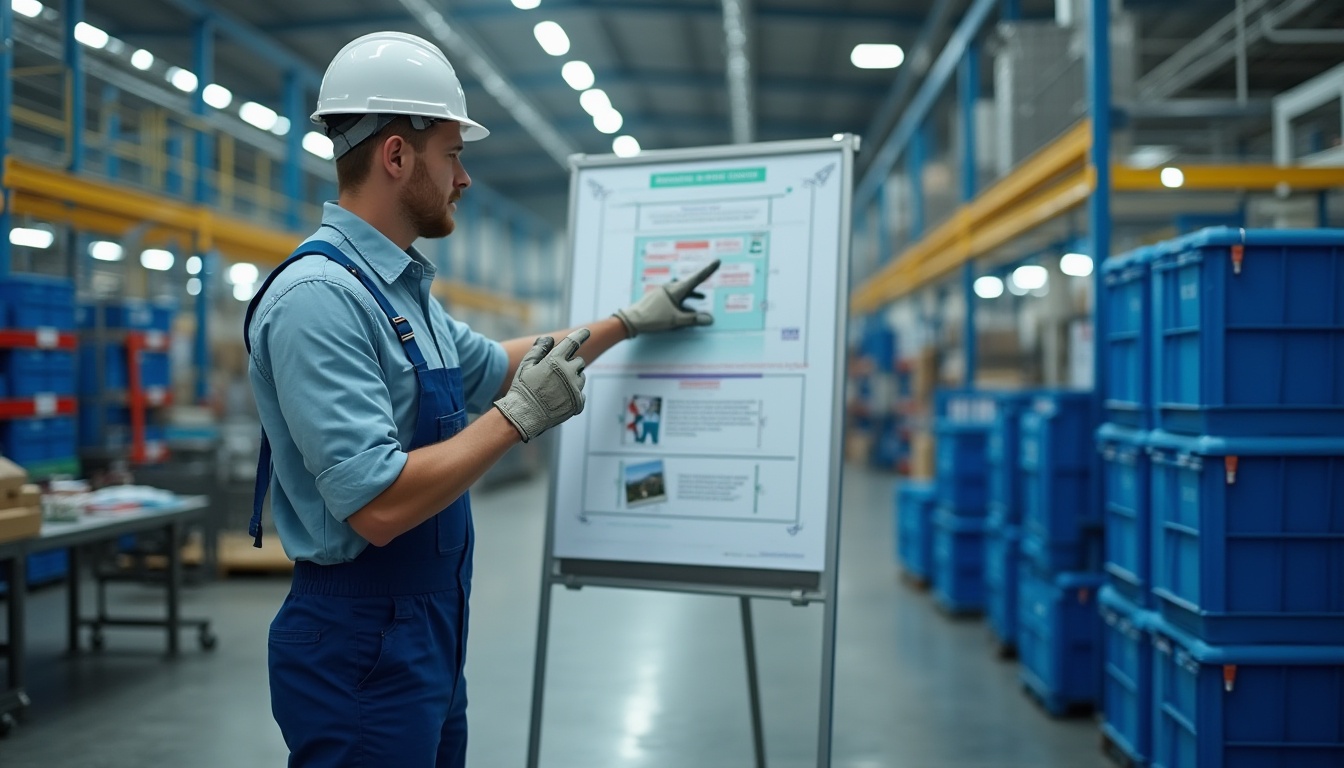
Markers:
700,376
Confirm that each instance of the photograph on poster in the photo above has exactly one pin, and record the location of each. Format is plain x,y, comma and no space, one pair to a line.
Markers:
645,483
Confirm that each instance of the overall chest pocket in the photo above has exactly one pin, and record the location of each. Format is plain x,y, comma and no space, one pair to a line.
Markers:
454,521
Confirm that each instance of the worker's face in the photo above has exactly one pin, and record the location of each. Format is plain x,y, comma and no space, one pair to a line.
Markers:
429,198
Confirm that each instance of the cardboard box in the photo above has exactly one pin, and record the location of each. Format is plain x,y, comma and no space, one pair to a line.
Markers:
20,523
12,480
921,456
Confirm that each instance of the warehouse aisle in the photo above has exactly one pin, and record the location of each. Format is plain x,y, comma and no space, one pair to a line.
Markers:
639,679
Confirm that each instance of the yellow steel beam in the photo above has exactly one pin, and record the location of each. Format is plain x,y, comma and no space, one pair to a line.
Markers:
83,192
1227,178
1063,155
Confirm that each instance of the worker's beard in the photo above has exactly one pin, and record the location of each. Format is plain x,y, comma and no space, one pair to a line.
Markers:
426,205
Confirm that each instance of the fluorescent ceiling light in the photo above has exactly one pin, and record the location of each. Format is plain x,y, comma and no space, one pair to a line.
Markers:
31,238
281,127
244,292
1030,277
217,96
1173,178
595,101
318,144
526,5
30,8
105,250
1075,264
989,287
142,59
578,74
243,272
181,79
258,115
1151,156
552,38
156,259
609,121
90,35
877,56
625,146
194,286
194,265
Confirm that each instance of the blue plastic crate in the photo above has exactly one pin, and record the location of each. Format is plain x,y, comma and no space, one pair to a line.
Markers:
1259,706
37,301
914,537
1060,523
161,314
961,466
1127,302
1233,335
33,441
1059,638
31,372
1127,509
156,370
47,567
122,314
113,432
113,375
1248,537
1002,554
959,562
1002,448
1127,676
965,407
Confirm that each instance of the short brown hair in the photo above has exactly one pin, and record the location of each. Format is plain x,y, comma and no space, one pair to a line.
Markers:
353,168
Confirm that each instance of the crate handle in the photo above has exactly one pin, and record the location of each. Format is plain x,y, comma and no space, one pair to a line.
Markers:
1229,677
1230,468
1239,254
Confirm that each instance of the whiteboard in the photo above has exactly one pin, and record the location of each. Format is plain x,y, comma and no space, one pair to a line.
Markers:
718,447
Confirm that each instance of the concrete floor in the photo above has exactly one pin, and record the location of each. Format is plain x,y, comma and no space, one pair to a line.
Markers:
638,679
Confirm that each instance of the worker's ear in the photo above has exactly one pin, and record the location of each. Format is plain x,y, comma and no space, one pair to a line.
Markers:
394,156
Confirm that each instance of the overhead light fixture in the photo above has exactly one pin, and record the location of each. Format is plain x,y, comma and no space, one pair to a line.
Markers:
30,8
625,146
1030,277
142,59
552,38
1151,156
244,291
217,96
318,144
194,264
595,101
105,250
156,259
194,286
877,56
578,75
1173,178
258,115
29,237
90,35
181,79
1075,264
988,287
609,121
526,5
281,127
243,273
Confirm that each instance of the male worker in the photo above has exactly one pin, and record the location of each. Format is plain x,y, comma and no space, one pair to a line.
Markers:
363,384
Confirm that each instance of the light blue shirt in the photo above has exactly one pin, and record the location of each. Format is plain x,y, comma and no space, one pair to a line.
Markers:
337,396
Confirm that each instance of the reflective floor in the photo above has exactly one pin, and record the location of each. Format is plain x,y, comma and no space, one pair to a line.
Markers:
638,679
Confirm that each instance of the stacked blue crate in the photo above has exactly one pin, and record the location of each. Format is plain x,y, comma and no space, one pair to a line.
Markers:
1127,677
43,305
915,503
1247,507
964,421
1003,539
105,381
1059,628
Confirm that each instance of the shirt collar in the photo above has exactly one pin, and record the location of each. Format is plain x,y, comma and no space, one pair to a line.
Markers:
380,253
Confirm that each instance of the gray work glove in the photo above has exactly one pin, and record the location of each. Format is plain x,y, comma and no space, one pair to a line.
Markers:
661,309
548,387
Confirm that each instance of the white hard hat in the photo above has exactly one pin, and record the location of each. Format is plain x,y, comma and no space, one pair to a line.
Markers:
389,74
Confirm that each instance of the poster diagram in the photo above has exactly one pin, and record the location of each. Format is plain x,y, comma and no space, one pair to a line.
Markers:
735,294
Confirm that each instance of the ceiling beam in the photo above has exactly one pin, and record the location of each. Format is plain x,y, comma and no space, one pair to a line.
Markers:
550,80
737,55
251,38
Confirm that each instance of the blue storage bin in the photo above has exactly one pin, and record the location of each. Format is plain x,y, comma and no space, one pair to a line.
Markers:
959,562
1248,537
1002,449
1059,638
1001,573
113,432
965,407
156,370
1060,524
1261,706
1127,510
961,466
37,301
113,376
47,567
1127,676
122,314
1239,315
914,537
31,372
161,314
33,441
1127,302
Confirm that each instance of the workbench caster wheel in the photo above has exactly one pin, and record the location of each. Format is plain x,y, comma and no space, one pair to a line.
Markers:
7,724
208,639
97,641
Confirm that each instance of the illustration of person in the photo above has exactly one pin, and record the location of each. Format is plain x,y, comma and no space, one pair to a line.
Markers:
633,418
652,420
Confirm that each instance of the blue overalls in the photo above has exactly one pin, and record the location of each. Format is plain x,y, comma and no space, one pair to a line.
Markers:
366,657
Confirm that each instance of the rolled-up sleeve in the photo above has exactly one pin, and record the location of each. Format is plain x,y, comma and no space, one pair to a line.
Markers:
484,363
315,345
